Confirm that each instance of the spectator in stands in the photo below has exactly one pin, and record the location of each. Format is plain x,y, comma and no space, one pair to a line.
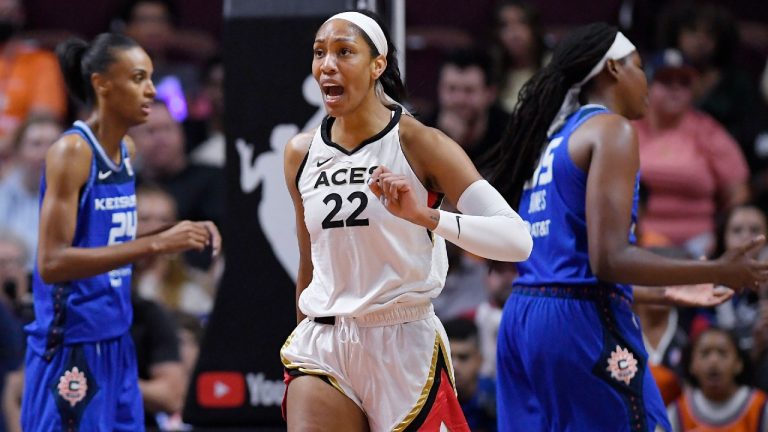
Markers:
647,239
464,288
498,284
190,333
30,79
476,393
760,341
740,314
10,410
708,37
160,145
11,355
15,304
691,166
14,276
190,337
521,51
664,338
175,52
163,360
20,189
162,379
467,110
211,151
167,279
720,397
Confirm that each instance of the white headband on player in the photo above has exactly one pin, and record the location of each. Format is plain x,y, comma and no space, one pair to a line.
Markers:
374,32
620,48
369,26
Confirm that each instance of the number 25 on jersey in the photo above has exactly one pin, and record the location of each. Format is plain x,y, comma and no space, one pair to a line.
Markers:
543,174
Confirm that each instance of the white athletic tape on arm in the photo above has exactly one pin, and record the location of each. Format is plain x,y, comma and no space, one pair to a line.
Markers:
488,226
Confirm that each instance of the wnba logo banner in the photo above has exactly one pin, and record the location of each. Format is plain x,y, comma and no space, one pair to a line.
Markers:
270,97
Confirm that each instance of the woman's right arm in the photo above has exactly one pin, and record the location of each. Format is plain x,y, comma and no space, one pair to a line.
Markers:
295,152
612,163
68,165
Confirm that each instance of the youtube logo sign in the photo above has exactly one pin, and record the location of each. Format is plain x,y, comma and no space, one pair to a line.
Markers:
220,389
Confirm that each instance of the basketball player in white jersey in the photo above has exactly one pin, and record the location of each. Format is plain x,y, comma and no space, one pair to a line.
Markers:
369,353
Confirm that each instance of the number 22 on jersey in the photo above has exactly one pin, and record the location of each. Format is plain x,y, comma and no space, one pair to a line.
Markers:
352,220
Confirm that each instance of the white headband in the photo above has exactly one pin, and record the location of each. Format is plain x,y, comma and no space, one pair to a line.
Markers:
620,48
374,32
369,26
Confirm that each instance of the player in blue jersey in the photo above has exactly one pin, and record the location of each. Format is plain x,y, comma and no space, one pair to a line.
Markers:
570,354
80,363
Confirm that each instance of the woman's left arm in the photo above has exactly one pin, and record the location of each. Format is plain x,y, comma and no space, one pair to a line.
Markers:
487,225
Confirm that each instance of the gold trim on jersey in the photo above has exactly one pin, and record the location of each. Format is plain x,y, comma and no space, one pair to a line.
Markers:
448,364
315,372
424,391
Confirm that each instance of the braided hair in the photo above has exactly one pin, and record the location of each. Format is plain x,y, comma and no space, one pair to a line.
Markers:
512,162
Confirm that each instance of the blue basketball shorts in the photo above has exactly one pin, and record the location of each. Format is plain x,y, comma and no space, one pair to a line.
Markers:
572,359
83,387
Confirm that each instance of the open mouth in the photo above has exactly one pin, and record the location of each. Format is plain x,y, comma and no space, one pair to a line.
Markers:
332,93
146,108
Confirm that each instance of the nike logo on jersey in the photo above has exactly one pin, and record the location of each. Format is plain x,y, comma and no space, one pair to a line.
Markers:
458,224
321,163
105,174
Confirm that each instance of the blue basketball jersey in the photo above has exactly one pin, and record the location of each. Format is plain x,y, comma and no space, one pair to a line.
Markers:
99,307
553,204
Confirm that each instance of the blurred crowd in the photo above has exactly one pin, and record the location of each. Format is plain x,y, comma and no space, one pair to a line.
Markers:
704,173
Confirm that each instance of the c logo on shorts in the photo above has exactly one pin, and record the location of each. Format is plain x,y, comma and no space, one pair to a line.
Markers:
622,365
73,386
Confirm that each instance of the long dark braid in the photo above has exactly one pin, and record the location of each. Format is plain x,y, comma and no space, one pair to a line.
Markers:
514,158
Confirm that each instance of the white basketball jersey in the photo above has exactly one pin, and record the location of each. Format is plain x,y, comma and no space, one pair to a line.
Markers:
365,259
